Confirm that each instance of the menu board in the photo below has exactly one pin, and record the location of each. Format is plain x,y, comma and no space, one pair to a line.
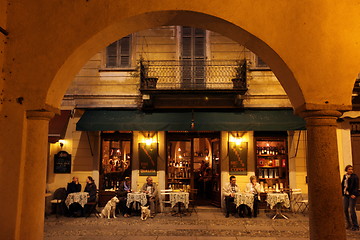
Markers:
238,158
62,162
148,159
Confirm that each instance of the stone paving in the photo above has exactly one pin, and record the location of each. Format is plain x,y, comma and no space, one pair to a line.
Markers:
205,223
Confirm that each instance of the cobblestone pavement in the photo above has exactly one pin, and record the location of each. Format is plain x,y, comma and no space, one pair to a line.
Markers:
205,223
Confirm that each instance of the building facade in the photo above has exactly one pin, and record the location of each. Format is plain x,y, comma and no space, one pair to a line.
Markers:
180,58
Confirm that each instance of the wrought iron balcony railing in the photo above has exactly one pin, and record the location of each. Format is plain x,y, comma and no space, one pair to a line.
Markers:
193,74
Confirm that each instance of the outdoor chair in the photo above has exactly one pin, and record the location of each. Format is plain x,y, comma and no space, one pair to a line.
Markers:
193,199
90,207
298,203
58,200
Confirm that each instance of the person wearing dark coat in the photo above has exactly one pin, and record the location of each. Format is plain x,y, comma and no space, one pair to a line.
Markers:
73,186
350,191
91,189
124,189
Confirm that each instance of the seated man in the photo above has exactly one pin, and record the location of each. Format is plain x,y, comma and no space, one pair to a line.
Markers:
151,191
124,189
229,192
73,186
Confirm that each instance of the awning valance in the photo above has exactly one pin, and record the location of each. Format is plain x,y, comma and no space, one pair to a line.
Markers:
132,120
58,126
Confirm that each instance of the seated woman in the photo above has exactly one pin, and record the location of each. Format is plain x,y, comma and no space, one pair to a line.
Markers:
91,189
254,187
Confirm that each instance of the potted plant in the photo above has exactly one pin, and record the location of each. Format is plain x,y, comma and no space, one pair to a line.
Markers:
239,82
146,82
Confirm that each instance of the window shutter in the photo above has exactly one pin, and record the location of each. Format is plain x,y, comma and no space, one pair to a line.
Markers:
111,55
125,51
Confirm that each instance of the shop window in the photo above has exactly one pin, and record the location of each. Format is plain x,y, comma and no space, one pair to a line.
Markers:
115,160
272,163
118,53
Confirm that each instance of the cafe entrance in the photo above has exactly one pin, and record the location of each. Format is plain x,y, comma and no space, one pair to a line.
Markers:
193,162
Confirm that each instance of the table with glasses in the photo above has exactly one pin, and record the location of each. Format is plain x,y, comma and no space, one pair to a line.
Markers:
244,198
179,198
278,200
139,197
79,197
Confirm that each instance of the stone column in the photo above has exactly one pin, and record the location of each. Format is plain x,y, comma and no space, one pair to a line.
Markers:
34,175
326,211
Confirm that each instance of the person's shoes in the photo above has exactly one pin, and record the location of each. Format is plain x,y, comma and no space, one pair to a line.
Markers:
152,215
126,215
227,215
355,229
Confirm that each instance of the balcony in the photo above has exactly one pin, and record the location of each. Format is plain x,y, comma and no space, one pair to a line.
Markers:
192,83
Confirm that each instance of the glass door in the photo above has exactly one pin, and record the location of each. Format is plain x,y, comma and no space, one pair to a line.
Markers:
193,162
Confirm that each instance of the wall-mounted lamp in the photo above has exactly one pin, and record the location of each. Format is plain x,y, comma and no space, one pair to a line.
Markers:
61,143
149,138
236,137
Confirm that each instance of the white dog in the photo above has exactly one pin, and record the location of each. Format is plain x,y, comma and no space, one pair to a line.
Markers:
109,208
145,213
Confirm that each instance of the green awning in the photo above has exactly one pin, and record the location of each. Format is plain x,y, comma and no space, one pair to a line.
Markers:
132,120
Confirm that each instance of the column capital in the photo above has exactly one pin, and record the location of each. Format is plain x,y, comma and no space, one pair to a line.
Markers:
320,113
321,117
39,115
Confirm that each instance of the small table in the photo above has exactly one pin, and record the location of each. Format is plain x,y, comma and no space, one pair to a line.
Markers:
278,200
79,197
179,197
136,197
244,198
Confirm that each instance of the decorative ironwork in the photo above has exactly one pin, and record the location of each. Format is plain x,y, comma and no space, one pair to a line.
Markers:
193,74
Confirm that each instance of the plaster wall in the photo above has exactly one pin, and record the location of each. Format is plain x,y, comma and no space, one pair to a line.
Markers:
98,86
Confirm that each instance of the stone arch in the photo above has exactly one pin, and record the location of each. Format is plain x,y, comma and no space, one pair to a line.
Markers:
118,29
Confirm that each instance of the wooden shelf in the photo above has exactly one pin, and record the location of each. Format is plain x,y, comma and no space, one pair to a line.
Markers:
270,155
268,167
178,178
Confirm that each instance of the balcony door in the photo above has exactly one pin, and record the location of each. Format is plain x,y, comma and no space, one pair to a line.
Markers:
193,46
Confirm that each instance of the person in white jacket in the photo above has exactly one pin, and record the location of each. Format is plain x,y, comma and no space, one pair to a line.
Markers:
254,187
229,191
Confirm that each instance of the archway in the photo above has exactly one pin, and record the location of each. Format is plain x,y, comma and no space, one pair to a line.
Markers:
43,88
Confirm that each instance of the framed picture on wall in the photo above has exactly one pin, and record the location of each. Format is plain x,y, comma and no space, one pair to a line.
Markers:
238,158
148,154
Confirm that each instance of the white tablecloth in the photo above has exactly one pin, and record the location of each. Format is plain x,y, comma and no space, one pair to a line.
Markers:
136,197
244,198
182,197
274,198
79,197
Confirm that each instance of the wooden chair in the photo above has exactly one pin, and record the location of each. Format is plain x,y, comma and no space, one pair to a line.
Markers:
90,207
58,200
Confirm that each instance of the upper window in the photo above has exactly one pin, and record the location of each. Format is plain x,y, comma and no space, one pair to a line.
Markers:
193,45
259,63
118,54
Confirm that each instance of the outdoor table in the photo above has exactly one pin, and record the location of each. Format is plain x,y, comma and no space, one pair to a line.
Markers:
179,197
244,198
136,197
278,200
79,197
